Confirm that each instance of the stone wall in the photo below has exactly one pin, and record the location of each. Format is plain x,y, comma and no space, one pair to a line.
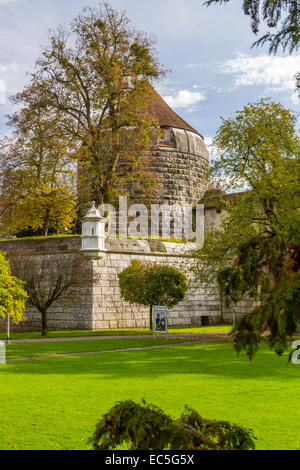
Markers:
75,316
103,307
111,311
214,217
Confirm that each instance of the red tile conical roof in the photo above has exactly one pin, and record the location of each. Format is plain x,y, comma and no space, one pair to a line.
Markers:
166,117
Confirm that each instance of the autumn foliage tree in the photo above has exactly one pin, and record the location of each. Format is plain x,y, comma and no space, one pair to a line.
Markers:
96,78
37,172
82,125
152,284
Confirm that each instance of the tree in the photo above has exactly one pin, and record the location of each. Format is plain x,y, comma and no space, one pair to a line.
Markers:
282,15
50,279
255,252
12,294
152,284
96,79
37,172
147,427
268,269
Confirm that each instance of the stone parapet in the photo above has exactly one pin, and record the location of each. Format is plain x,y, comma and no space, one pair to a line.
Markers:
104,308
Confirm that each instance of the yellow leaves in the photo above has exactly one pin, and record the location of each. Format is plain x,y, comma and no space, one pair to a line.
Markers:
53,207
12,294
37,184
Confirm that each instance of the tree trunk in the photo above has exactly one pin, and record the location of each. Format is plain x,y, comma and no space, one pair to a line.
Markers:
222,307
44,324
151,318
46,223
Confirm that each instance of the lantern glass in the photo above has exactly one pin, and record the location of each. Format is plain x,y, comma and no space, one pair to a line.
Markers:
90,229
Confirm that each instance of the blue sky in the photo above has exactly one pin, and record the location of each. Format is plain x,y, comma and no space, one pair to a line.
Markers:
214,71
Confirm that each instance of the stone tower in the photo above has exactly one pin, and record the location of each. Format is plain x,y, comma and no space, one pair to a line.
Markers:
179,160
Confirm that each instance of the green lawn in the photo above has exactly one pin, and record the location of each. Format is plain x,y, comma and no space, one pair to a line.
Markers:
66,347
136,331
55,403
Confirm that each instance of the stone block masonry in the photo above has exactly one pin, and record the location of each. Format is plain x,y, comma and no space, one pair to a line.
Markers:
103,307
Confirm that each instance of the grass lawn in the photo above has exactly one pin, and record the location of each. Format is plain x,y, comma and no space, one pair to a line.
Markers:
55,403
65,347
70,334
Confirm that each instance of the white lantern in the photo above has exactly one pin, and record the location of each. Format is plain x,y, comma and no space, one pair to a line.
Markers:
93,233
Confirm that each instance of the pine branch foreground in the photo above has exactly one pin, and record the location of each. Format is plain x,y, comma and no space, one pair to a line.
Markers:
147,427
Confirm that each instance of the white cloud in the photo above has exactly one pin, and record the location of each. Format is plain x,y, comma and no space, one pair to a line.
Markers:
2,92
208,140
295,97
275,73
192,66
14,76
213,151
185,99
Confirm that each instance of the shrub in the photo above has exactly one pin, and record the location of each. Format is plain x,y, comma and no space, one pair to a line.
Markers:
147,427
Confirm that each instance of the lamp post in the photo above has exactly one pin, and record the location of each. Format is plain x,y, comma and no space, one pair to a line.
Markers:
93,233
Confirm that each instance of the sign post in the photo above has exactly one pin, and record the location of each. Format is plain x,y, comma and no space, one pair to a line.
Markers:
161,320
8,328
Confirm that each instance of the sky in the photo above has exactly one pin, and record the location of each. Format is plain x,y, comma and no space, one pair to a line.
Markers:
213,70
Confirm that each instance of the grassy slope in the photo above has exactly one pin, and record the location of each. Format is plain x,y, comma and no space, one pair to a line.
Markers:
77,333
55,403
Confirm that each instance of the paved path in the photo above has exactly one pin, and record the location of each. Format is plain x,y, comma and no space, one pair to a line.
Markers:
85,353
89,338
